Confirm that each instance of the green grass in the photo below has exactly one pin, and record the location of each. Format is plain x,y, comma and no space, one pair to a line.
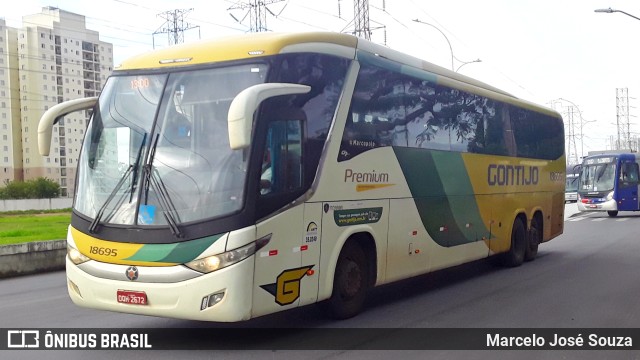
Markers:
21,227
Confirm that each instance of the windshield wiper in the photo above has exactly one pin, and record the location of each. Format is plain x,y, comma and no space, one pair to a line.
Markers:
152,177
133,168
134,179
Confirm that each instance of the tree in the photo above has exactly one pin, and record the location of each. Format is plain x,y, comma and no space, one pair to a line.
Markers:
15,190
39,188
43,188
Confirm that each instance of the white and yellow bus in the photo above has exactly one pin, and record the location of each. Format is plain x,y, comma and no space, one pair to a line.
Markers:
228,179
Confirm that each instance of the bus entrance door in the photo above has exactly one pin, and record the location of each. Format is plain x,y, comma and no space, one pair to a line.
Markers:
627,192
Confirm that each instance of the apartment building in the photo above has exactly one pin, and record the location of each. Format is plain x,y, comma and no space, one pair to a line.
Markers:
52,58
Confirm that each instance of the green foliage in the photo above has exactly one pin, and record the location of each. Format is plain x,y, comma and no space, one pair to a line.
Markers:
15,229
40,188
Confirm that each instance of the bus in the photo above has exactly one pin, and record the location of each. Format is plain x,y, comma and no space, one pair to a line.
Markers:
227,179
609,182
571,184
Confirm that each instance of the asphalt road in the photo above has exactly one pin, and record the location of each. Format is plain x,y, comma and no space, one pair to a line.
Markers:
586,278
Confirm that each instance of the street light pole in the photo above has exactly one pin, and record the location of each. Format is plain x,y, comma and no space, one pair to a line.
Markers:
443,34
610,11
463,63
468,62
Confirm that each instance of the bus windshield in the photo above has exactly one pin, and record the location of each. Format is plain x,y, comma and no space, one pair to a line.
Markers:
597,177
571,184
157,149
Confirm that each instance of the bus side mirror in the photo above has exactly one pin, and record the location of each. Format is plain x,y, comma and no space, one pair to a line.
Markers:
244,105
53,115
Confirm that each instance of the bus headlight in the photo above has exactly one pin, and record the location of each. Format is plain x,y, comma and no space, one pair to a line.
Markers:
216,262
76,256
610,196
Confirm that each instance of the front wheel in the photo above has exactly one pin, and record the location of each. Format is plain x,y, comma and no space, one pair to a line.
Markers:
350,283
612,213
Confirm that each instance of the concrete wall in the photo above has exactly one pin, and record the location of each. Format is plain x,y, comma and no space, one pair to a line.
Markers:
35,204
31,258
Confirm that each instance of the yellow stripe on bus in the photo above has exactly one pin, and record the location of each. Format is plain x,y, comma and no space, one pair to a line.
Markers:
367,187
110,251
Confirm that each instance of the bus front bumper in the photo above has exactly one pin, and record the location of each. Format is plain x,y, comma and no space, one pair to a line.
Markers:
598,205
191,299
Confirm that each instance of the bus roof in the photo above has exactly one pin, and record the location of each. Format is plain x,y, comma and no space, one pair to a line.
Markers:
613,155
608,153
232,48
255,45
617,153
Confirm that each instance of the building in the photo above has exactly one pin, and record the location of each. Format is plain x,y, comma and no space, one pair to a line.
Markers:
52,58
11,154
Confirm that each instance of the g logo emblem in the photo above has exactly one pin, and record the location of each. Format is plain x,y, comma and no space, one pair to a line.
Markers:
287,287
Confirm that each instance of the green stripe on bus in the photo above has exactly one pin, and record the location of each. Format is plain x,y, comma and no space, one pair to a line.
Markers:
443,195
178,253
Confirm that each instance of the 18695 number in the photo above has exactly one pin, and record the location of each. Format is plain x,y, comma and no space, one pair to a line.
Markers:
97,250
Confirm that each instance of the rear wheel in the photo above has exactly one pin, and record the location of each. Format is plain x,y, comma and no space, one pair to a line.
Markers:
534,239
613,213
515,256
350,283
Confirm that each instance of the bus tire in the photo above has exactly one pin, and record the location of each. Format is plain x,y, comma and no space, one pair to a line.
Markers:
350,283
533,240
515,256
612,213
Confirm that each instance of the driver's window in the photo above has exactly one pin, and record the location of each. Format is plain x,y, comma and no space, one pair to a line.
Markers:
629,173
281,170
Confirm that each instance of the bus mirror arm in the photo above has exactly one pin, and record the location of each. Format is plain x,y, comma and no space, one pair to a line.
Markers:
53,115
244,105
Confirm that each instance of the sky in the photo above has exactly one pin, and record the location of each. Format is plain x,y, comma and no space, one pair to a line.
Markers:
557,53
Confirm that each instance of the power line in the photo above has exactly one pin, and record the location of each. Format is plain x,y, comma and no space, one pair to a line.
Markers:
174,26
622,119
256,11
361,21
435,21
75,30
145,31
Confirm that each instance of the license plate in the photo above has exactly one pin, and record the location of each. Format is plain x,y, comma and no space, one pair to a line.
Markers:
132,297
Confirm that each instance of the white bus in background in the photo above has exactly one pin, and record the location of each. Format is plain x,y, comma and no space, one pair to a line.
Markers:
571,188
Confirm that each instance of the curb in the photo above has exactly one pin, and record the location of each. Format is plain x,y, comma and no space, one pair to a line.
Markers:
32,257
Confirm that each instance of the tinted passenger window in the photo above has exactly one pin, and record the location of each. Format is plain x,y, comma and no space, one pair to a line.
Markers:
393,108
